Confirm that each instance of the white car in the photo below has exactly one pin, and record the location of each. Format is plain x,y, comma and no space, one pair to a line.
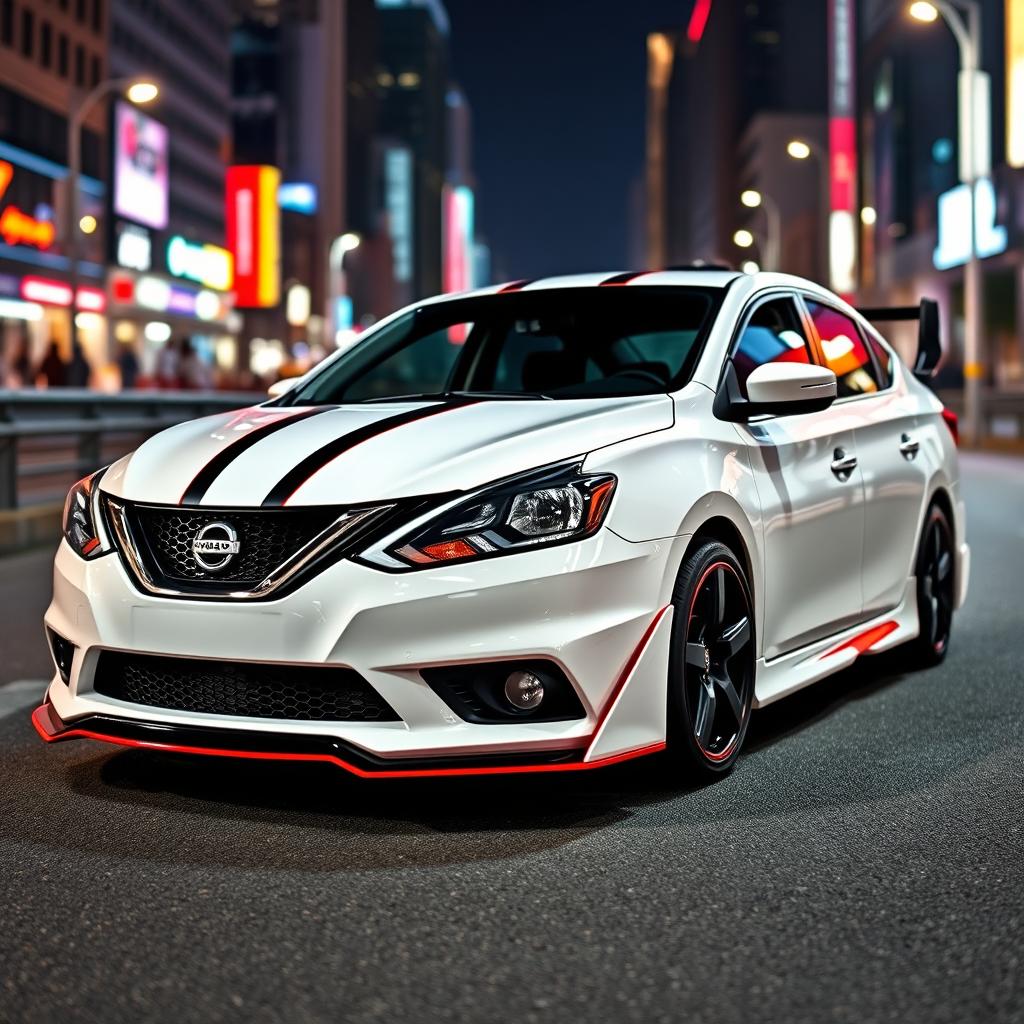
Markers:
548,526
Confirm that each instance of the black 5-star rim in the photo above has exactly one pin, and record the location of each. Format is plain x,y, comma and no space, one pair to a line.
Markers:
719,662
935,582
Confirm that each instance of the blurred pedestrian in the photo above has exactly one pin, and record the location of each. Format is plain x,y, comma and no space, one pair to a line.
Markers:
128,364
79,369
53,368
194,373
21,365
167,363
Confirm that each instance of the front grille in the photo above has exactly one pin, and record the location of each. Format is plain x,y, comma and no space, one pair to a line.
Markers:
266,537
245,689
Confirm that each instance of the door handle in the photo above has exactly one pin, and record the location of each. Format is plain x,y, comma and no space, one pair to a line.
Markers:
842,464
909,447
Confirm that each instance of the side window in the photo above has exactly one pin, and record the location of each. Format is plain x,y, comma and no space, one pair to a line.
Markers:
844,350
773,334
883,361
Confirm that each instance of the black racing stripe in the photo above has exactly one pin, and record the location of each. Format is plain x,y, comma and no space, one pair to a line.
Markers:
632,275
296,477
196,490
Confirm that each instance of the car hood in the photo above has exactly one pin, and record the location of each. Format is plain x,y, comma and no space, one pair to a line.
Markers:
349,454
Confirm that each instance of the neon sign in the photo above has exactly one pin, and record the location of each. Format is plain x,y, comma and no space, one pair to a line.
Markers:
56,293
206,264
16,226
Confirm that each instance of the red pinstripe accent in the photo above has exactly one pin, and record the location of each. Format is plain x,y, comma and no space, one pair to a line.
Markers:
627,671
397,773
514,286
866,640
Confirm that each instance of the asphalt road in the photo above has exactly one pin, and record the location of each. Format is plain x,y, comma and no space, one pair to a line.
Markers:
865,862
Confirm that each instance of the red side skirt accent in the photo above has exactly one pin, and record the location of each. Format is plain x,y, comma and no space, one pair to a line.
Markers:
865,641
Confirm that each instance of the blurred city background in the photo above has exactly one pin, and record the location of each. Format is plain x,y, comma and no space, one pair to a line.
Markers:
204,196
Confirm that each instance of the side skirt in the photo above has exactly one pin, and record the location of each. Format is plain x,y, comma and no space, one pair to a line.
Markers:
782,676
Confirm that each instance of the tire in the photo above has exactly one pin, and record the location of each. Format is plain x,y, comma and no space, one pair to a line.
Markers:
935,574
711,663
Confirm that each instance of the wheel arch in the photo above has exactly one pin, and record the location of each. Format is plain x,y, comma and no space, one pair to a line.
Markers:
718,517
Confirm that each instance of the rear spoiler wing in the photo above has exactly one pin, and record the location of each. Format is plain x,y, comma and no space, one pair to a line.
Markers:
929,343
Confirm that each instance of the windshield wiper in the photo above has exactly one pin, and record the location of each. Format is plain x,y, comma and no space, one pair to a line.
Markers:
498,394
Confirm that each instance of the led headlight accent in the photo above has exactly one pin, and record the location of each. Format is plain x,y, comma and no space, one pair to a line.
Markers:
549,507
83,529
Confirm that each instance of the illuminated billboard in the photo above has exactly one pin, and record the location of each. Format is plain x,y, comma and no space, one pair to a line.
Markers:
140,167
458,238
1015,83
842,232
252,220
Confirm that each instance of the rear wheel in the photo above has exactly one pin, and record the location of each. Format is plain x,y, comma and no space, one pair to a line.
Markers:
935,593
711,664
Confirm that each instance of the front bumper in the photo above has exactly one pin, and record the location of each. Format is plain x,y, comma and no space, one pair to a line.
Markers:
597,609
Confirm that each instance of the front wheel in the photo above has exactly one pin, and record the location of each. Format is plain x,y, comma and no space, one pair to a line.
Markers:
712,661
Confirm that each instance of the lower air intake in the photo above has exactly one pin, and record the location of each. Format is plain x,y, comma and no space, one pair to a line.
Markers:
244,689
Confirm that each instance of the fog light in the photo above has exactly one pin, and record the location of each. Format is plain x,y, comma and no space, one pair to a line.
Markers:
524,690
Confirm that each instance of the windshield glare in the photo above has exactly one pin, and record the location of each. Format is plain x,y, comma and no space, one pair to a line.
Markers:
572,343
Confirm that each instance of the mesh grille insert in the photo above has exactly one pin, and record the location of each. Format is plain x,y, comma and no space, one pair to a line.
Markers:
249,690
266,538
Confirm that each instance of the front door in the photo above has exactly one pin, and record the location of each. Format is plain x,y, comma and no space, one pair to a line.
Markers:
811,494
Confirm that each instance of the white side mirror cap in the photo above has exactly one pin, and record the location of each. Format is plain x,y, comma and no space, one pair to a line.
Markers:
784,384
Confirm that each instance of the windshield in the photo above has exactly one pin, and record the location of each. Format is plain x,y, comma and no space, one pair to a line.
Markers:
569,343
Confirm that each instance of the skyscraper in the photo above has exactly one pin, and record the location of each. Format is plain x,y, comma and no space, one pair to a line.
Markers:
414,80
50,58
707,82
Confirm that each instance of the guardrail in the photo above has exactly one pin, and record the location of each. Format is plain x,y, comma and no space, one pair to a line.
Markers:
49,439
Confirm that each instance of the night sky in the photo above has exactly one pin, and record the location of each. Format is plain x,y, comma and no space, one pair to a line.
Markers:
557,89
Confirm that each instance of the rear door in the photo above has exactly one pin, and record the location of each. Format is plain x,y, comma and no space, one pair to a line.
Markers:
809,486
893,461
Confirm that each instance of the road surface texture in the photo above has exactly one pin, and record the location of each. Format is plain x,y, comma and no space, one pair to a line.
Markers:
865,861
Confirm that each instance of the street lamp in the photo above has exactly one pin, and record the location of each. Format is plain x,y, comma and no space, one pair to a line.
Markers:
137,90
752,199
804,149
743,239
974,164
343,244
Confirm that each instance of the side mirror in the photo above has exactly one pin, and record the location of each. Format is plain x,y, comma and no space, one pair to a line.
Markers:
282,386
776,389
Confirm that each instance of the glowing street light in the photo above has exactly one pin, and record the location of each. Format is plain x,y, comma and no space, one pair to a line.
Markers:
868,216
752,199
798,149
349,241
924,11
750,266
142,92
743,238
138,90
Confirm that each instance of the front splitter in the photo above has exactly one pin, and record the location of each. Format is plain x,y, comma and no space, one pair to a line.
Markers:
210,741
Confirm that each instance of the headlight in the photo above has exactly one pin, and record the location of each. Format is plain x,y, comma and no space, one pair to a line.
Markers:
82,527
551,507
